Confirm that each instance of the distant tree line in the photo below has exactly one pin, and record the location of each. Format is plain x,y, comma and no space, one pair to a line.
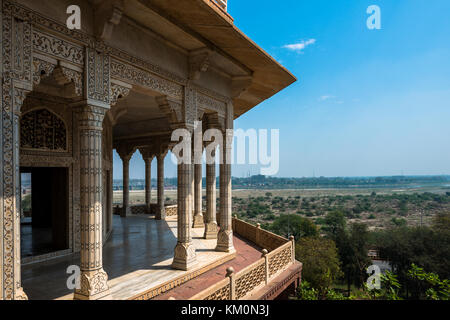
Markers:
264,182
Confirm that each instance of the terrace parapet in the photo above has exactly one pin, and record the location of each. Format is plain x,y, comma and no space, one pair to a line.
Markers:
278,258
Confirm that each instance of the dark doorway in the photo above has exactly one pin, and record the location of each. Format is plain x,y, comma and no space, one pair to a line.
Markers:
44,223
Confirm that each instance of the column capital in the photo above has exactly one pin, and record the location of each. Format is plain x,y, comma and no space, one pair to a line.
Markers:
162,155
125,151
89,116
147,153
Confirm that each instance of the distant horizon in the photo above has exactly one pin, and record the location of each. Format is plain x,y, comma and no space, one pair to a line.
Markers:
330,177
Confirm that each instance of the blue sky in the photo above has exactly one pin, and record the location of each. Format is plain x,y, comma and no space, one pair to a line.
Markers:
367,103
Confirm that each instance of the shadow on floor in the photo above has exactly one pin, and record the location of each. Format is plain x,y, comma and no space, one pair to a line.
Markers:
136,243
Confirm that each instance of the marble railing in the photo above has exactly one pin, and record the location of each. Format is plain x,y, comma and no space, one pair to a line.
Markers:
278,255
221,3
171,210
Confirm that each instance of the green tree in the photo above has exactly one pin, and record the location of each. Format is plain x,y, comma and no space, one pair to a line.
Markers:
423,246
431,286
334,223
26,203
389,288
321,266
353,246
287,225
441,222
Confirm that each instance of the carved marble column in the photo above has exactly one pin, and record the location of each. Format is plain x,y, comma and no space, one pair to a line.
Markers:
210,223
15,64
185,256
148,155
93,278
126,211
148,183
198,208
225,236
10,285
161,212
125,152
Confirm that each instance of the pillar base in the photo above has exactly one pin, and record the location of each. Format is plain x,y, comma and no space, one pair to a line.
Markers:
225,241
185,257
20,294
126,212
94,286
210,231
198,221
161,214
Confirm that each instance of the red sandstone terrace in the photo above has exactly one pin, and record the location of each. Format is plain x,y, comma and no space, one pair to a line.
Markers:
135,71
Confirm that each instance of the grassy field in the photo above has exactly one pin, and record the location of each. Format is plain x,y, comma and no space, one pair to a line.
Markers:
378,208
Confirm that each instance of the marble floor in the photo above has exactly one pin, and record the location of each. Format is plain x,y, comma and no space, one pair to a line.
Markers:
136,257
35,241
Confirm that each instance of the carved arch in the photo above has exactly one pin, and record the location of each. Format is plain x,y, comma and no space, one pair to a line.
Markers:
42,129
63,76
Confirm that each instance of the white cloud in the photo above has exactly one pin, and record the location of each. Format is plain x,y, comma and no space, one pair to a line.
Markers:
300,46
331,98
326,97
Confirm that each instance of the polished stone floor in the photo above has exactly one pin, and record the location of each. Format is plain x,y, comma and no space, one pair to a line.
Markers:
137,255
35,241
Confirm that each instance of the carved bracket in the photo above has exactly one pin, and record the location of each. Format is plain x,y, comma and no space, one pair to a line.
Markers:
172,109
239,85
107,15
198,63
118,92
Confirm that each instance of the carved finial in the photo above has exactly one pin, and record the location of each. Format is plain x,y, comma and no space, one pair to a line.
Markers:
292,238
230,271
264,252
